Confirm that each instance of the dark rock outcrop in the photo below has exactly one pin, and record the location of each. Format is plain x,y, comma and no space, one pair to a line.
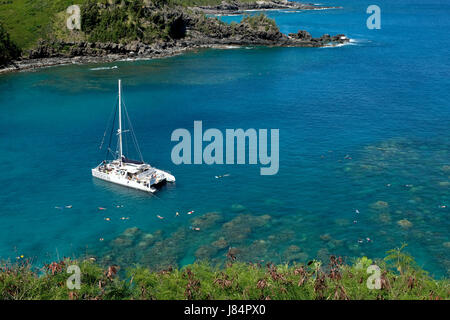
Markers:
301,35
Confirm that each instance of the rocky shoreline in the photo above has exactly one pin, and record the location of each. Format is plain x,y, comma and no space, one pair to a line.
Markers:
45,55
236,7
193,31
83,57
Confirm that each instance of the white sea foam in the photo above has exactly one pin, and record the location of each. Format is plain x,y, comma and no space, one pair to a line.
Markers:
352,42
104,68
226,47
360,41
291,11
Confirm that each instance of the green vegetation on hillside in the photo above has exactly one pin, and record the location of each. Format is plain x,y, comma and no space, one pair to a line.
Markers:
8,49
130,20
260,21
113,23
27,21
399,278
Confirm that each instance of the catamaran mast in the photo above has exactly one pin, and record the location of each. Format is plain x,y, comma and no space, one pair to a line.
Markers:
120,120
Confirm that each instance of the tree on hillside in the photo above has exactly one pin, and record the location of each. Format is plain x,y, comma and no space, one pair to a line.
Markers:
89,16
8,49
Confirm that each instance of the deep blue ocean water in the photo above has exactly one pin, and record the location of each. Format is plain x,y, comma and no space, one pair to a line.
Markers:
362,127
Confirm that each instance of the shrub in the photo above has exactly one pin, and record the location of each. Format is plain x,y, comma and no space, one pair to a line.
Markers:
8,49
336,280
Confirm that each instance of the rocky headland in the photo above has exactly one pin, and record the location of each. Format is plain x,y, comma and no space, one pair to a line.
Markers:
184,29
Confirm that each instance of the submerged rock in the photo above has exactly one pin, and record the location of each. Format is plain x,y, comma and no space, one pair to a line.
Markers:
294,254
258,250
122,241
405,224
264,218
220,243
237,235
147,240
444,183
168,251
385,218
132,232
282,236
240,227
293,249
205,252
206,220
323,255
238,208
127,238
325,237
379,205
234,251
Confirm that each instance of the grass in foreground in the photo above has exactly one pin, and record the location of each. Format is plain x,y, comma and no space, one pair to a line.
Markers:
399,278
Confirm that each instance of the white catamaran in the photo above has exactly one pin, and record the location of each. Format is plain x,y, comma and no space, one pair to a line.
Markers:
130,173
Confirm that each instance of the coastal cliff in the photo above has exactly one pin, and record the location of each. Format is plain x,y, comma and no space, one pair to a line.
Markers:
146,29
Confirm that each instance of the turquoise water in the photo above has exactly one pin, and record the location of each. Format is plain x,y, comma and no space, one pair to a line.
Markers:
362,127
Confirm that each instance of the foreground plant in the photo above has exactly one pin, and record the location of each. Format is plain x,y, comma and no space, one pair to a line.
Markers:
399,278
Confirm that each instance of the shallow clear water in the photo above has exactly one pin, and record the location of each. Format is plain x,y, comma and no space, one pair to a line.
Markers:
362,127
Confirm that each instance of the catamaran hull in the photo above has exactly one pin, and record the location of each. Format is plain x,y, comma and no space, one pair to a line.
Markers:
168,176
130,183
